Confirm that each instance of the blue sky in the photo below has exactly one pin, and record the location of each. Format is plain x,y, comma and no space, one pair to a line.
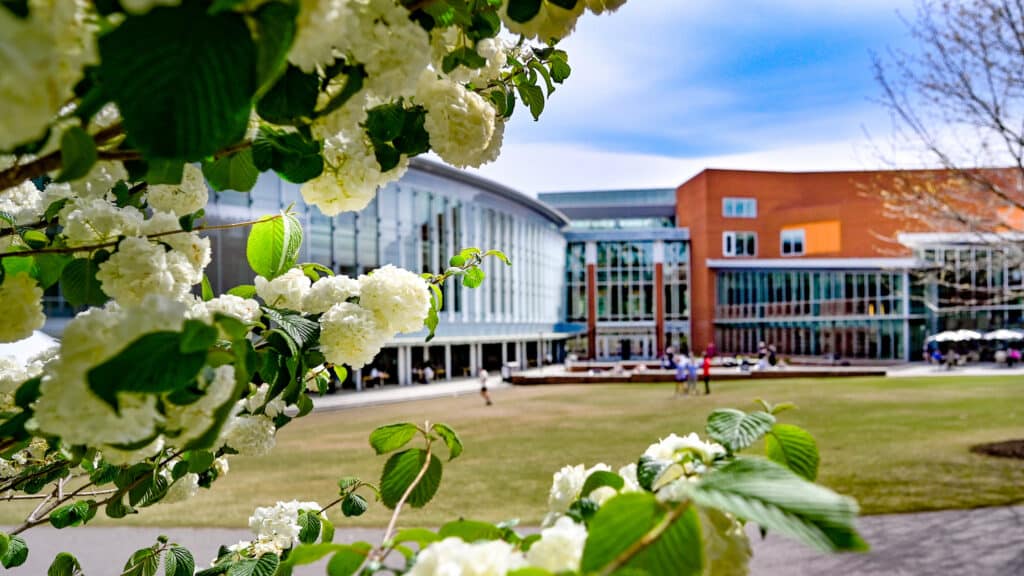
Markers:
664,88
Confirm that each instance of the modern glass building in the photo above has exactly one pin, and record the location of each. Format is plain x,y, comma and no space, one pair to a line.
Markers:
627,272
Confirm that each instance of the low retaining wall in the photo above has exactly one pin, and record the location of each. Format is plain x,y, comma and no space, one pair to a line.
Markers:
651,376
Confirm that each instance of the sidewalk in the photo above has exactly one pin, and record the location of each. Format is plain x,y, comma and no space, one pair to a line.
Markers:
346,399
918,369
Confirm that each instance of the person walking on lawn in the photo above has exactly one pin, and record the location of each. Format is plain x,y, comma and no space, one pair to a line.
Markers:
707,374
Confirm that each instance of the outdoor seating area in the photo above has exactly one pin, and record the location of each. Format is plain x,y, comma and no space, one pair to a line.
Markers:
953,348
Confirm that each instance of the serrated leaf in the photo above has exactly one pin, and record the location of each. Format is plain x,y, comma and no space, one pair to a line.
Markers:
179,561
276,21
392,437
17,552
144,562
761,491
309,526
79,284
736,429
163,66
232,172
473,278
74,514
265,565
300,329
451,440
273,246
470,531
64,564
794,448
291,99
153,363
294,157
622,521
401,470
77,154
353,505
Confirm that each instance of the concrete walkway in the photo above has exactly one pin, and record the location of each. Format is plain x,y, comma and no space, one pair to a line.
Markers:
982,542
392,394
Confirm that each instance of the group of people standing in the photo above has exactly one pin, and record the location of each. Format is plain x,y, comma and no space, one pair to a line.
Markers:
686,367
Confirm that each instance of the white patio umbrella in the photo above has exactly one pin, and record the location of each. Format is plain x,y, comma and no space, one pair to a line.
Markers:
1004,334
968,335
947,336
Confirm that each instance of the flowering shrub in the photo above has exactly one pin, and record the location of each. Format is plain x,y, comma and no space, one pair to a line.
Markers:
119,116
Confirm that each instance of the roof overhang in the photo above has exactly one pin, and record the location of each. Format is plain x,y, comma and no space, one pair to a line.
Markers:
926,239
627,235
815,263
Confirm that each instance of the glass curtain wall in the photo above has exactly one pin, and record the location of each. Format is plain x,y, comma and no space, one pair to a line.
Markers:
976,287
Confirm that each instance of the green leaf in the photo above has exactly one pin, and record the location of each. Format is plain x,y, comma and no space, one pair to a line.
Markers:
309,526
736,429
473,278
265,565
421,536
353,505
179,561
50,267
144,562
79,284
414,139
533,97
164,171
384,122
197,336
74,514
309,553
523,10
273,246
64,564
77,154
346,483
794,448
463,56
761,491
601,478
276,24
499,255
17,552
451,440
233,172
387,155
292,99
243,291
431,322
183,79
484,25
18,8
5,542
346,562
649,470
116,508
677,550
560,69
470,531
620,523
207,290
326,530
294,157
401,470
149,491
154,363
303,331
392,437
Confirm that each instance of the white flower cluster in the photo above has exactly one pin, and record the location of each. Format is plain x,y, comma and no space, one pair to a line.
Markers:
246,310
560,547
389,300
250,435
554,22
276,527
460,122
182,489
690,457
93,220
454,557
567,485
187,197
21,307
191,421
67,408
42,59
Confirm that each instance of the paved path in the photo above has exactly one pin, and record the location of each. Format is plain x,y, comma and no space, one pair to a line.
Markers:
917,369
392,394
982,542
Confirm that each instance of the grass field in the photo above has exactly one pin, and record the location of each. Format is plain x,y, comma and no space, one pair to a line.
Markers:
896,445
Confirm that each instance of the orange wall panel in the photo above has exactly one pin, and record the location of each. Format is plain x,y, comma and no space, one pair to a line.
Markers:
820,238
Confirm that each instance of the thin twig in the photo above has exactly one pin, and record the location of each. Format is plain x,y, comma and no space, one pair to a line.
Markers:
91,247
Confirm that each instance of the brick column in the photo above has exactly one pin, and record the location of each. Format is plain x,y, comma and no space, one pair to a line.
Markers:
591,260
659,296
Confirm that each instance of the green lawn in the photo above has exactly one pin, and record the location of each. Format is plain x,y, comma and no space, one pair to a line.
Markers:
895,444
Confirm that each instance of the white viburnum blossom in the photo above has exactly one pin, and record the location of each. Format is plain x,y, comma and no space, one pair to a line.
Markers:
328,291
460,122
193,247
552,22
600,6
258,398
190,196
99,181
319,29
351,335
95,220
399,298
183,489
246,310
454,557
351,175
21,307
630,482
191,421
68,408
285,291
23,202
565,488
140,268
221,465
393,48
726,546
493,50
250,435
560,547
673,447
42,59
278,525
